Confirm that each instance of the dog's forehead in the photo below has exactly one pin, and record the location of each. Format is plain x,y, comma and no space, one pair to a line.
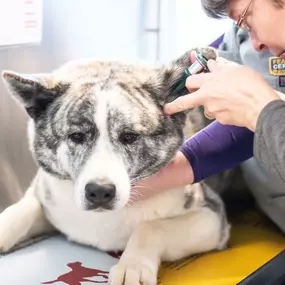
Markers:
133,109
118,86
96,71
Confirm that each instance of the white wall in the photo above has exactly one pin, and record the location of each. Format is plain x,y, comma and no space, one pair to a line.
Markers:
88,28
193,27
157,47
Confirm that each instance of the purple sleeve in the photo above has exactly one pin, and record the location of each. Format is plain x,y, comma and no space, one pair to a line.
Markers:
217,148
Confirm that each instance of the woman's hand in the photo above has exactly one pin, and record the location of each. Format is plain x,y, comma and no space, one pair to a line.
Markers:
177,173
229,93
232,94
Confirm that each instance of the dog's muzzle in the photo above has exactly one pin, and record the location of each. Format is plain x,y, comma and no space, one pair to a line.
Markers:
100,196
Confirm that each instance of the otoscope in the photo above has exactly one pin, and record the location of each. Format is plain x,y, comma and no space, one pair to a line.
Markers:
199,65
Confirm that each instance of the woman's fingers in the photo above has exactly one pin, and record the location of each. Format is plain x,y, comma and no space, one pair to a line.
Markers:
185,102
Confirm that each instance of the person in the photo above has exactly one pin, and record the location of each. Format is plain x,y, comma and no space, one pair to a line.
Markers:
248,112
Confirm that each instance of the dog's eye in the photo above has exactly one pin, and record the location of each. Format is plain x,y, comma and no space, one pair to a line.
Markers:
128,138
77,138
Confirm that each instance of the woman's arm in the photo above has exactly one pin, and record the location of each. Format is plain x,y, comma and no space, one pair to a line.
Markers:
269,140
217,148
212,150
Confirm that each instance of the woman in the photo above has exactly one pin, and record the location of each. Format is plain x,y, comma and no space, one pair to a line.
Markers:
249,113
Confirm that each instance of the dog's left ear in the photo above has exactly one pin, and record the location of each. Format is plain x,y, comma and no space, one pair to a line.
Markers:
34,92
166,79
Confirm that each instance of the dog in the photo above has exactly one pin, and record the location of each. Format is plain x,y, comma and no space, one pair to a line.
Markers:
97,128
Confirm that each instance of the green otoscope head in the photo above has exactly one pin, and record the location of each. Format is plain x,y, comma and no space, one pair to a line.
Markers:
199,65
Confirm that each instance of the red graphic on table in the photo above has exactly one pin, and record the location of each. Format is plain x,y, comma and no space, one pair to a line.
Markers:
79,274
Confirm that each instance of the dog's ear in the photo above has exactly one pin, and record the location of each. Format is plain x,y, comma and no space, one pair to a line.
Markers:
165,80
34,92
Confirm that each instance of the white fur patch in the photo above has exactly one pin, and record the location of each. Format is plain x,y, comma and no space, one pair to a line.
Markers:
104,165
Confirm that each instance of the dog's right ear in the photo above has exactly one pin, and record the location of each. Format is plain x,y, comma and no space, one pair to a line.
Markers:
34,92
166,79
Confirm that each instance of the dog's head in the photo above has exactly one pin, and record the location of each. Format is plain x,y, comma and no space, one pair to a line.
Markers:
101,124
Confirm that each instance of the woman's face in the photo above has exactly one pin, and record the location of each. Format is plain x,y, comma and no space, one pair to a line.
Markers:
266,22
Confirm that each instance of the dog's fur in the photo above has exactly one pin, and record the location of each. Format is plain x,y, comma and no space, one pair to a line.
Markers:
103,122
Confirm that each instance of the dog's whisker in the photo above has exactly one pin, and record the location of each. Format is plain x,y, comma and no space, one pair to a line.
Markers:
136,194
146,187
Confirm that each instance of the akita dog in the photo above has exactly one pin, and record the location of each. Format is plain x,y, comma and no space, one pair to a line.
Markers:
96,128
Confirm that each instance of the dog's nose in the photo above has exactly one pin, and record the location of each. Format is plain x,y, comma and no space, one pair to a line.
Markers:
100,195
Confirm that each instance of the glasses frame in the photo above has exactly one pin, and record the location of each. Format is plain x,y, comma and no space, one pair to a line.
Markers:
240,23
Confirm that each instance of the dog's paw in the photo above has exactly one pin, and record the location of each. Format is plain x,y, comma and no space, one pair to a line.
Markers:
8,225
133,272
15,222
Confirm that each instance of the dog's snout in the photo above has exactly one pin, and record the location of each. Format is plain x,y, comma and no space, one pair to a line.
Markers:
100,195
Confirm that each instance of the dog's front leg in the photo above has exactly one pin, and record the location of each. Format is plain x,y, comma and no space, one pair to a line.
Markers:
140,261
166,240
22,220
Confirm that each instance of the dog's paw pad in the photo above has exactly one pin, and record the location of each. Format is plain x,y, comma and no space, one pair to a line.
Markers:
132,273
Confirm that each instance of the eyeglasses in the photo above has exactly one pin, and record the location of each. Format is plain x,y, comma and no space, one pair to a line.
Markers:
241,23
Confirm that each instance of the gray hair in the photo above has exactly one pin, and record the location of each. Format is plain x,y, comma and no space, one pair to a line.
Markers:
217,9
